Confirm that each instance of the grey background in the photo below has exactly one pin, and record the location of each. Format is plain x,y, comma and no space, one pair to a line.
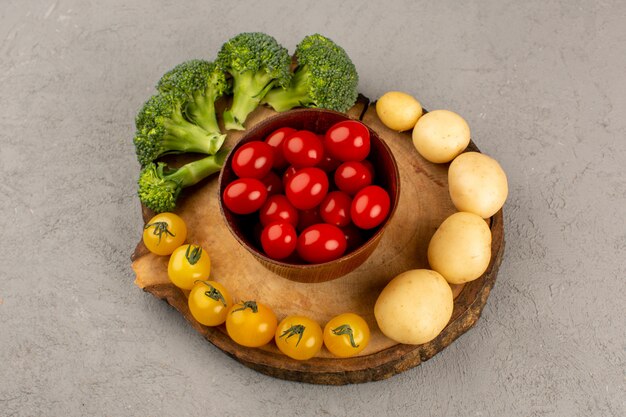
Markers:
542,85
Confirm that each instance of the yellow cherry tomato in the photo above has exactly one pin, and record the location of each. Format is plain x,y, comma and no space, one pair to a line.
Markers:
164,233
346,335
209,303
188,264
251,324
299,337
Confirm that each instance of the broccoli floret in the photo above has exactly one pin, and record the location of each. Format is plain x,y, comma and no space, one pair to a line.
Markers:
200,83
162,129
325,77
257,63
159,186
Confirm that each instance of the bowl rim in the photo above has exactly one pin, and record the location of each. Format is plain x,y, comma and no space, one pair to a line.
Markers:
344,258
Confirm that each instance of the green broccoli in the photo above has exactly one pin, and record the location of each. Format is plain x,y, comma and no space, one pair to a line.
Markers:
162,129
257,63
159,186
325,77
200,83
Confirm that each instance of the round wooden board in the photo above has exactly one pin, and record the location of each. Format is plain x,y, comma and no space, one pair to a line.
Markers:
424,204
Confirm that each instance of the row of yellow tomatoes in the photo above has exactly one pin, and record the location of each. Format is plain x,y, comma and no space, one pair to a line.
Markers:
248,323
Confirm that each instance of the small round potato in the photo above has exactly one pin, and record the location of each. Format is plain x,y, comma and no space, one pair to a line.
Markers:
460,250
477,184
414,307
440,135
398,111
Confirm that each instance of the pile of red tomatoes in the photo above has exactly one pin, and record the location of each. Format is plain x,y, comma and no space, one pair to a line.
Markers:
313,194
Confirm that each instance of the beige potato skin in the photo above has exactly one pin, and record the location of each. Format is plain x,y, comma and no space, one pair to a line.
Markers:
440,135
398,111
414,307
477,184
460,250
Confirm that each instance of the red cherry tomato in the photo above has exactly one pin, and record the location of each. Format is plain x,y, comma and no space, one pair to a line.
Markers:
328,163
352,176
278,209
348,141
245,195
275,140
307,188
335,208
253,160
321,243
303,149
354,237
370,207
273,183
370,167
289,173
279,240
308,218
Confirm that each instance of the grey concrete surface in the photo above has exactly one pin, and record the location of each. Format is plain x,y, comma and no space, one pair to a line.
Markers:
543,87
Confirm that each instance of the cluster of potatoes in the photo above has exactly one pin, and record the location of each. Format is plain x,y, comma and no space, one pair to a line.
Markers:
417,305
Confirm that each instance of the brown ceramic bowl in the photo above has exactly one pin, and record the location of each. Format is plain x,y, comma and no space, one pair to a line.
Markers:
243,227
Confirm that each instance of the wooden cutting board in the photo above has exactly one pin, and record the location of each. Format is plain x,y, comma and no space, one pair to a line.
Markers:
424,204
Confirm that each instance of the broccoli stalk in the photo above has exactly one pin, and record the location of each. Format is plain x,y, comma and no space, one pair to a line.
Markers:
162,129
202,110
296,95
200,83
325,77
257,63
247,93
159,186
